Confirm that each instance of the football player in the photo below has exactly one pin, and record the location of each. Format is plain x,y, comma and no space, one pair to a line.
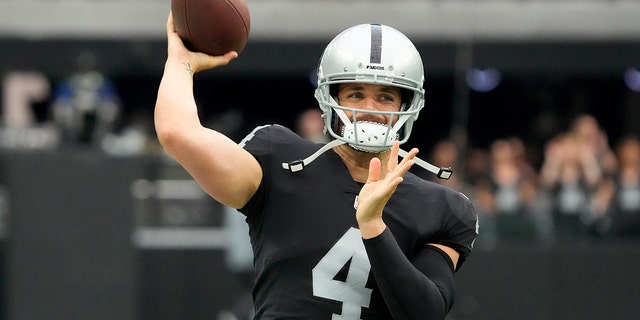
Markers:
340,230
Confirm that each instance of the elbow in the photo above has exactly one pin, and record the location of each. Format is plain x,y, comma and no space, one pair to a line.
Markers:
169,138
174,127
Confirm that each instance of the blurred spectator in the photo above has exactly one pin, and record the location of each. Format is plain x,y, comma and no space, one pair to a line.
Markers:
625,198
576,175
593,140
566,188
446,153
476,165
86,105
310,125
471,175
513,190
477,178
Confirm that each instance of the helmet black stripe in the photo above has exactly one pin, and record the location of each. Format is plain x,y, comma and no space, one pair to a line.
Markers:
376,43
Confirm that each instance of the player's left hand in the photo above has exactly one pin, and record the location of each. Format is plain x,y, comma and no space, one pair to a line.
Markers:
378,190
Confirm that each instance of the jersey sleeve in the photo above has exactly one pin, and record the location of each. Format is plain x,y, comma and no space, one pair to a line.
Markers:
257,142
461,225
271,145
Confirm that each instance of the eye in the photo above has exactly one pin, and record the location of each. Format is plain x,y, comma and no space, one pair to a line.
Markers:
355,95
387,97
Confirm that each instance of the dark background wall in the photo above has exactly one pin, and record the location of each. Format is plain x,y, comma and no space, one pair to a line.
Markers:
68,255
571,280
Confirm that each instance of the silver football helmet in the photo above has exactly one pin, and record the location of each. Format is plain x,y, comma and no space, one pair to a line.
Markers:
375,54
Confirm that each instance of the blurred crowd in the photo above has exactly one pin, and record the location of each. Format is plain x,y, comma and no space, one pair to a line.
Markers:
582,188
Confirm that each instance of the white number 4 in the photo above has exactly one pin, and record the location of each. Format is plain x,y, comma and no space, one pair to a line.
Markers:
351,292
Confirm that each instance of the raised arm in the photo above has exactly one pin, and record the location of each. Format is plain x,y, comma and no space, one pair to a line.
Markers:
223,169
421,288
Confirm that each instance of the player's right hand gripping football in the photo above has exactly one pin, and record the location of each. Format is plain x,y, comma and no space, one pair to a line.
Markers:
197,61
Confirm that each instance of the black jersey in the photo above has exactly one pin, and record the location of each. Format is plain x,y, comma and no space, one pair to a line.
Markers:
309,258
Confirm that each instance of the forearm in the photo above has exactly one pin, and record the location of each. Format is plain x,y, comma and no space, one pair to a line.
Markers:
175,108
408,292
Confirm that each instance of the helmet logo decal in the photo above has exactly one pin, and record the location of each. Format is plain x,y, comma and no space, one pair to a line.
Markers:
376,43
370,67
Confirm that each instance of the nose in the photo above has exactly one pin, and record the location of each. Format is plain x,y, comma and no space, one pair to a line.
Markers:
369,103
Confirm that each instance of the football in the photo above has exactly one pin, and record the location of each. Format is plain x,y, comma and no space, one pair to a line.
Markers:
214,27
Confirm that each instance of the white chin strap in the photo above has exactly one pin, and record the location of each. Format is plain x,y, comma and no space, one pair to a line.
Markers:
441,172
298,165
